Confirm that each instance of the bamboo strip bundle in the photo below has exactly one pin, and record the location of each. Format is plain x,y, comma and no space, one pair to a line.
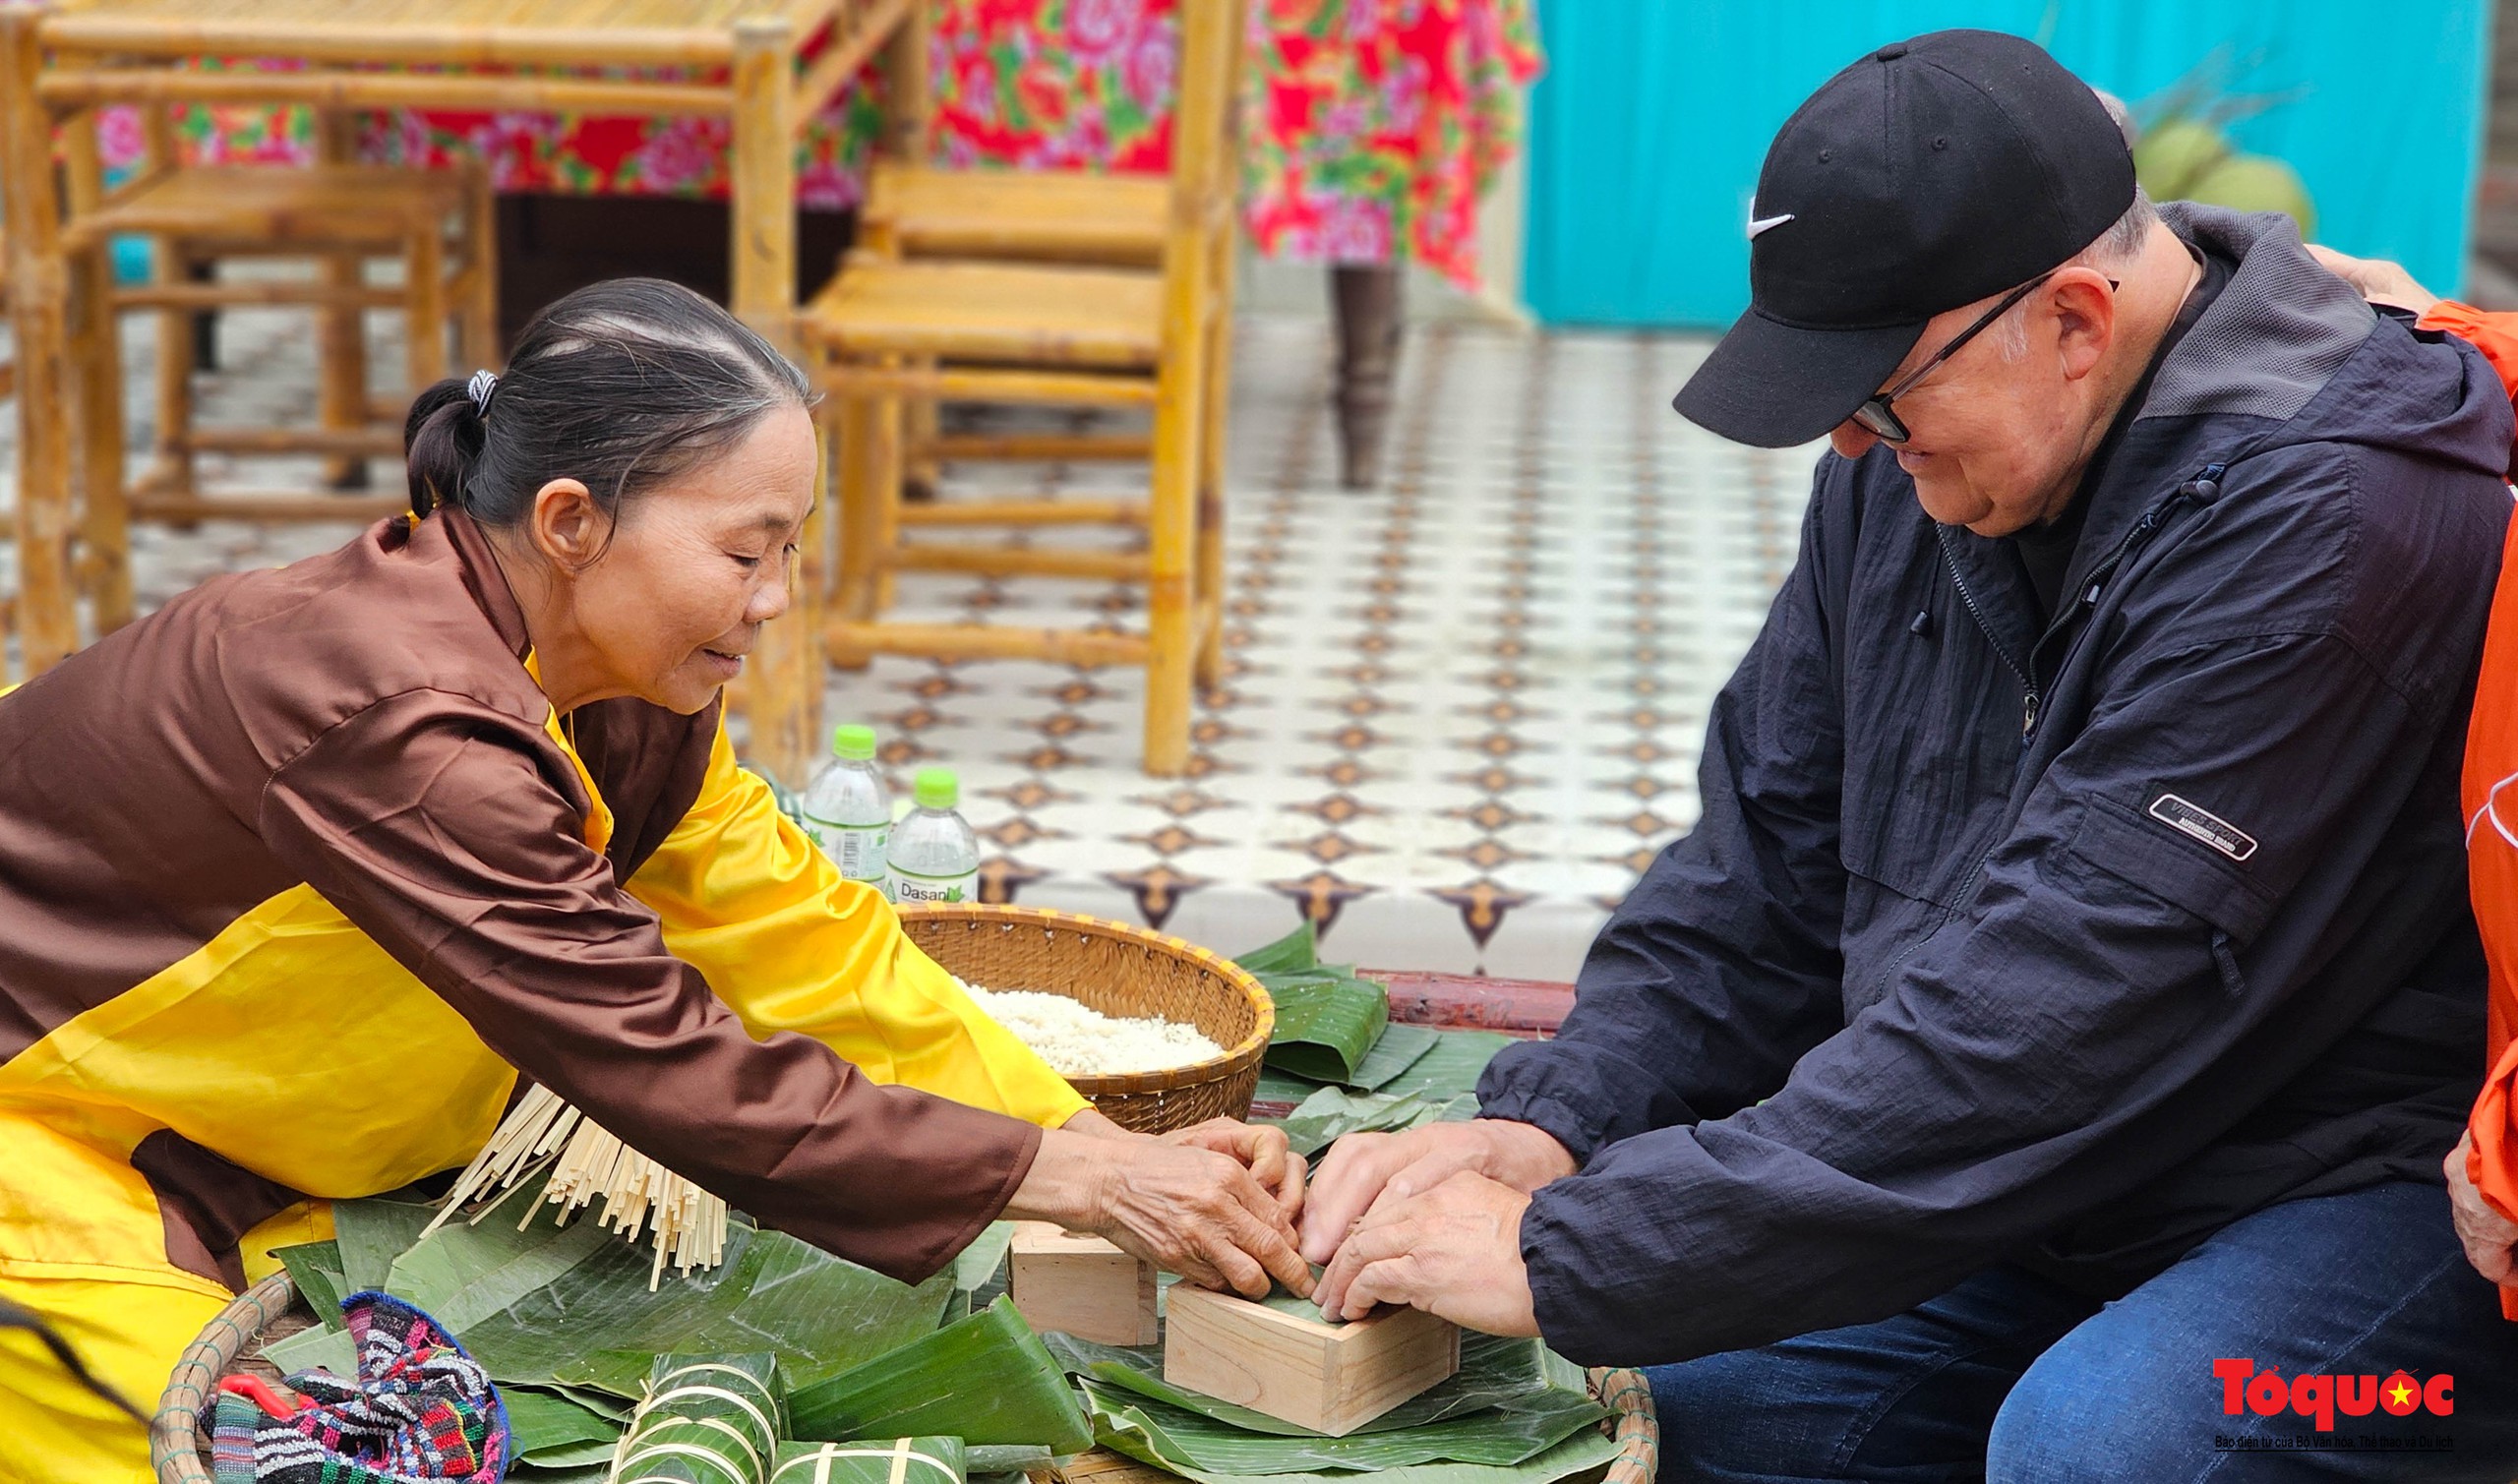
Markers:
686,1224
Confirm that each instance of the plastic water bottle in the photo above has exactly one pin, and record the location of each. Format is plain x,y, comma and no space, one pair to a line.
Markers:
933,856
848,811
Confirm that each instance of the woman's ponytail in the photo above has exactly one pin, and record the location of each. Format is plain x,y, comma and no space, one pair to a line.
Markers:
441,442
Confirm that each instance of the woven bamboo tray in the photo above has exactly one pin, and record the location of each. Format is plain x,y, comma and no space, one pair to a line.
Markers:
1120,970
179,1436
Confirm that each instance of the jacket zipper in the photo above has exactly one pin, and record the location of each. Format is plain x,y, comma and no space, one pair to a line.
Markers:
2205,487
2028,686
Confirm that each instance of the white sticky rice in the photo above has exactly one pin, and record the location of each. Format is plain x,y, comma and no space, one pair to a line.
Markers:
1078,1040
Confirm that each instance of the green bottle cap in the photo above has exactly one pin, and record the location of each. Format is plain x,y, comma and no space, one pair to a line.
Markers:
937,789
854,742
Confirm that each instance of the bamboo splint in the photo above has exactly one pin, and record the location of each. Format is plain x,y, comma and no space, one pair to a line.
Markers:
687,1224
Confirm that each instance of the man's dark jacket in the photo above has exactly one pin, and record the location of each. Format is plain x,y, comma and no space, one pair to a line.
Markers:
2056,944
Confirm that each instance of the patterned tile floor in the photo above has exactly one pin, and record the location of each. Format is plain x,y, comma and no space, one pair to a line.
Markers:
1461,714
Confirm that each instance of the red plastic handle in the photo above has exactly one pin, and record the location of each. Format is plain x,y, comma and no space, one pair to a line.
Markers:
280,1404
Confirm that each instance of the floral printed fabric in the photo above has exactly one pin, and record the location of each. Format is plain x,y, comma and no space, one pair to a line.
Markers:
557,154
1370,127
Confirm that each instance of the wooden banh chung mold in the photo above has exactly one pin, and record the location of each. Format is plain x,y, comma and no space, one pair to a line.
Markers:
1331,1378
1082,1285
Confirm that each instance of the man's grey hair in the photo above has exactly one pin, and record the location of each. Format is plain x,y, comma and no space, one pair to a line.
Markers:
2114,249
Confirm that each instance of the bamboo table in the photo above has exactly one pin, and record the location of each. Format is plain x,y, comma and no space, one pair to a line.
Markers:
732,58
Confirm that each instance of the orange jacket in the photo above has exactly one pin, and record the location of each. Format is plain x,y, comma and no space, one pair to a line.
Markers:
2491,814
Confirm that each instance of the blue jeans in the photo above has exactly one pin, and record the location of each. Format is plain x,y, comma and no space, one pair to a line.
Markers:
2011,1378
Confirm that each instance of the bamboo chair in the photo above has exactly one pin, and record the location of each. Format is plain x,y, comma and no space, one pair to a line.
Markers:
890,330
8,391
7,368
338,216
915,208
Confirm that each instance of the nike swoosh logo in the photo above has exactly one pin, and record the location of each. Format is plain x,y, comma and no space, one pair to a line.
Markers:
1758,224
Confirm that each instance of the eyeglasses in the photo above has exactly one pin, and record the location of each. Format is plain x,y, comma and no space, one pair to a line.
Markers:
1877,416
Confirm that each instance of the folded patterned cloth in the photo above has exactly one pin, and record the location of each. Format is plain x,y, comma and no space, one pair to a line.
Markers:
420,1411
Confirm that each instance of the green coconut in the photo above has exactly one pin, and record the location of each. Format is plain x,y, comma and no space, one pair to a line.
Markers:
2257,183
2173,156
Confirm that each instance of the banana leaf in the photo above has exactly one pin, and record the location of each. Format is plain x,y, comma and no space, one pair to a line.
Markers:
1450,1070
979,1272
315,1349
573,1456
315,1269
1583,1456
1327,1019
974,1266
986,1379
372,1233
707,1419
604,1404
547,1423
1325,1024
1296,950
1006,1457
571,1304
1399,1047
1522,1380
1179,1439
1333,1112
526,1471
463,1273
872,1461
1282,1086
544,1421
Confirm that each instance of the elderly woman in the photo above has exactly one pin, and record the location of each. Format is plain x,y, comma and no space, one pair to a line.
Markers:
303,873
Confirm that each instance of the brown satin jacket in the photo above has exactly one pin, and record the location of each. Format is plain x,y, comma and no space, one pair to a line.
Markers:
298,874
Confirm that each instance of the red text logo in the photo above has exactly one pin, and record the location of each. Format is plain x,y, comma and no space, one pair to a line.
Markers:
2266,1393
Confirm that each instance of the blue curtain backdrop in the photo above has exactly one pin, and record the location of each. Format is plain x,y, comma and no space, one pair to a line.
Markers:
1648,127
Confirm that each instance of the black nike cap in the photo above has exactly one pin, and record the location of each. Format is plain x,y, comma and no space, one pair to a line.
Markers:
1930,174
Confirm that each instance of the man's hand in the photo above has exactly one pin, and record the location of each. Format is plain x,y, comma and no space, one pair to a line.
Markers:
1361,1170
2376,279
1262,1150
2488,1235
1455,1250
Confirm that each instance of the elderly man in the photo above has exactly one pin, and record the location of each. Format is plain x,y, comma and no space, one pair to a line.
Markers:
2039,1060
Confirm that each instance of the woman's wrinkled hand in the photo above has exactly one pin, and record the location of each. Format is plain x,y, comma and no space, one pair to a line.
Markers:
1261,1148
2376,279
1188,1210
1203,1214
2488,1235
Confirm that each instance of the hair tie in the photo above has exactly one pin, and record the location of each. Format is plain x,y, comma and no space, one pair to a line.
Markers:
483,386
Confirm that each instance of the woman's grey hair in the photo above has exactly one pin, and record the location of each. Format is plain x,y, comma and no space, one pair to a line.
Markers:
621,386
